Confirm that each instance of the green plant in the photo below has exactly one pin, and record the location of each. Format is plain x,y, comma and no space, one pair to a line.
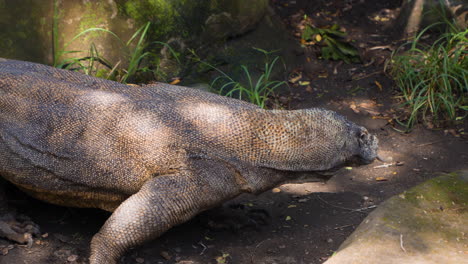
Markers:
333,45
134,54
433,79
256,92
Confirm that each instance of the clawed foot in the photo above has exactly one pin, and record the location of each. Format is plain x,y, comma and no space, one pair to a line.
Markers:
20,229
236,217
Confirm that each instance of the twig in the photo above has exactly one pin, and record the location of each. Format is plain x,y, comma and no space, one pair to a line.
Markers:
370,62
401,243
430,143
386,165
365,76
389,47
253,252
341,227
204,247
345,208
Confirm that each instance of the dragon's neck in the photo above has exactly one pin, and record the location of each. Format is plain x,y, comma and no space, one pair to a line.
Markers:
288,140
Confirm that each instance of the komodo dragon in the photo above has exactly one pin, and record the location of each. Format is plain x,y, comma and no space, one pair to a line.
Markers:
155,155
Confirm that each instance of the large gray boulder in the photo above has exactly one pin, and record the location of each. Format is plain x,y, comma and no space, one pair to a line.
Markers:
426,224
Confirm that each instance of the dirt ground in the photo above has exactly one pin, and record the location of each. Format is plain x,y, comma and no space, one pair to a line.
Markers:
307,222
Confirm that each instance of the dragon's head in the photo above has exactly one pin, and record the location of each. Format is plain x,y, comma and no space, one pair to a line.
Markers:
367,146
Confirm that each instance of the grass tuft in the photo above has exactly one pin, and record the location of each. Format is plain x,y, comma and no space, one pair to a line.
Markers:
433,79
255,91
134,54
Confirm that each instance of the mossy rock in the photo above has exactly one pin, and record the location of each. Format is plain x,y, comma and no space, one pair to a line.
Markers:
426,224
39,31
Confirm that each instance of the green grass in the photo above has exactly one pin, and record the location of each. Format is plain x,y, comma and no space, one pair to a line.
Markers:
433,79
254,90
135,51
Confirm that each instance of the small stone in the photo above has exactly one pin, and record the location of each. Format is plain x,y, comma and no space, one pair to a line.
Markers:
276,190
329,240
165,255
140,260
72,258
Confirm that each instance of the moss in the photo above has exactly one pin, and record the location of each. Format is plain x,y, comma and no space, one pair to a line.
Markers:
92,17
434,205
448,191
160,12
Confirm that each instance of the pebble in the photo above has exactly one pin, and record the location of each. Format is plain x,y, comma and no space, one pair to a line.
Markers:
165,255
72,258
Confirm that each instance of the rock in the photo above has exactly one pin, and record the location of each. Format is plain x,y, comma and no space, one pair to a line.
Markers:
72,258
165,255
426,224
35,37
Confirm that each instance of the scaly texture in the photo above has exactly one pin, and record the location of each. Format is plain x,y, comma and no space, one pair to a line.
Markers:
154,155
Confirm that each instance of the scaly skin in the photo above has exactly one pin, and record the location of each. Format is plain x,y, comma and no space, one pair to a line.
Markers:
156,155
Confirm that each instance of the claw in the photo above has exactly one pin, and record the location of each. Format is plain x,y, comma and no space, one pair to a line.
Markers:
21,233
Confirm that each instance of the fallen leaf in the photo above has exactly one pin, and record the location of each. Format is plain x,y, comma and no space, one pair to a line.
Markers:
175,81
318,37
288,218
304,83
379,85
222,259
294,77
323,74
276,190
354,108
381,179
4,250
292,206
309,89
